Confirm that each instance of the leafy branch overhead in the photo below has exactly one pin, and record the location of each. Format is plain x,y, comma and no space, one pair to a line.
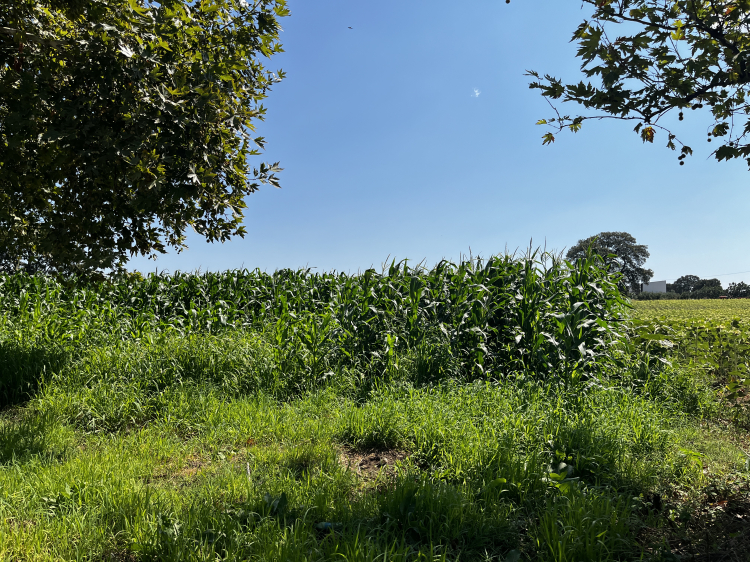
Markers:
125,122
647,58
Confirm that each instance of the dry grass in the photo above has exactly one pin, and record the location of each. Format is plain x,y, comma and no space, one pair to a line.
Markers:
179,472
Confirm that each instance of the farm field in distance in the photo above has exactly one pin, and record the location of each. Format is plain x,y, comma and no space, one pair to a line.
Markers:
500,410
699,310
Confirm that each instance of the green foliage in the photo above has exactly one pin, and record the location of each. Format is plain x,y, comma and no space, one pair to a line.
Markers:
479,318
649,58
719,311
739,290
621,254
226,416
693,287
707,341
258,480
685,284
576,527
125,122
669,295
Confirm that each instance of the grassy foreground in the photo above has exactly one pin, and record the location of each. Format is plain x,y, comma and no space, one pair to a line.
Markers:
505,410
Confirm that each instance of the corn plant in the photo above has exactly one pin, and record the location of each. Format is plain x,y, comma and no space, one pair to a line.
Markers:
535,315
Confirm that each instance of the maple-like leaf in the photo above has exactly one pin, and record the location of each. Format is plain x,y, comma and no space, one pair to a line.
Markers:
646,59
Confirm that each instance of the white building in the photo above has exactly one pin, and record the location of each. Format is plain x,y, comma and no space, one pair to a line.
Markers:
655,287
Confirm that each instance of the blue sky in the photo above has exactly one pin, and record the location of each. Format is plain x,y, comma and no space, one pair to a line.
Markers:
413,135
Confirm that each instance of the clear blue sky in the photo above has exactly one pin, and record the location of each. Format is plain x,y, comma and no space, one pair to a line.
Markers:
413,135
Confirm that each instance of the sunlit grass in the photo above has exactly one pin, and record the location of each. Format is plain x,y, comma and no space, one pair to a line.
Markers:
509,414
482,466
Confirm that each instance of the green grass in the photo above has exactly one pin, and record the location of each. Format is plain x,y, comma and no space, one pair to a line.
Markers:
484,463
134,429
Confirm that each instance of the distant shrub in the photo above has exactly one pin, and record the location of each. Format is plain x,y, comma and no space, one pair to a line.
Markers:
669,295
706,292
693,287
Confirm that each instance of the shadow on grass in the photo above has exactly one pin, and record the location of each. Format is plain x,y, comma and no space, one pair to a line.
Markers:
409,521
716,531
26,436
24,368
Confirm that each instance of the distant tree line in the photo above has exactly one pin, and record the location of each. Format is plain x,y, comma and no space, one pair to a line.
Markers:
693,287
624,257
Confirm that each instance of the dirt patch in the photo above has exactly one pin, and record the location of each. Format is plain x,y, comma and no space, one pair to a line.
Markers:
717,532
191,467
372,463
119,556
23,524
178,472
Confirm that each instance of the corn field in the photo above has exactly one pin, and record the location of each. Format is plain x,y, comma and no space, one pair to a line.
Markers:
479,318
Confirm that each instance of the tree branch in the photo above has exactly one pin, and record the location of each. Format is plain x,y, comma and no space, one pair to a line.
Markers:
31,37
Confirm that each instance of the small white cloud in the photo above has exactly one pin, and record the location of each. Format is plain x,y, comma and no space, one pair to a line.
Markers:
476,93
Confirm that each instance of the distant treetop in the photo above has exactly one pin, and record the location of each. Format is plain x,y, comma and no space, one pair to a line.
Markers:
621,253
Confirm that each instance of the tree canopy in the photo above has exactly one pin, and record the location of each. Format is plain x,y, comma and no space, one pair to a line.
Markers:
649,58
739,290
621,253
125,122
693,286
685,284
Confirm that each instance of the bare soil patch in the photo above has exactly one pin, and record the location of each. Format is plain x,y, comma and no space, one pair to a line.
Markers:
178,472
371,463
717,531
